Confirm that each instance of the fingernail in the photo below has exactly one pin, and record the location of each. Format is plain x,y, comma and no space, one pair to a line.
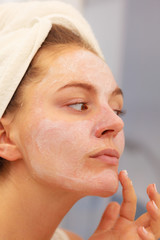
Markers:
155,188
154,204
145,231
125,172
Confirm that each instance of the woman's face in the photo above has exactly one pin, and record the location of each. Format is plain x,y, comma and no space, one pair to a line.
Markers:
68,118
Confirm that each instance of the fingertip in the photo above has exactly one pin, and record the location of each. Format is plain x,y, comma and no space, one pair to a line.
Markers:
153,210
155,188
144,234
123,175
116,205
109,216
154,205
144,231
149,208
152,187
152,192
123,172
112,207
124,179
149,186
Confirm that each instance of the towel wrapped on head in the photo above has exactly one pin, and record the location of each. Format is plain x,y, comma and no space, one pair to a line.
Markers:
23,29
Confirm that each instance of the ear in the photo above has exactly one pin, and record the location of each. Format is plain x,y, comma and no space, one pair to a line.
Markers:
8,149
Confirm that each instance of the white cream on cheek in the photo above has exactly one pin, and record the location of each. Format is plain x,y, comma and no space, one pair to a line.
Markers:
62,155
58,149
63,144
56,143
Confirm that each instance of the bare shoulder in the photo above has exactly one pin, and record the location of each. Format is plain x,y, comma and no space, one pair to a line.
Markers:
72,236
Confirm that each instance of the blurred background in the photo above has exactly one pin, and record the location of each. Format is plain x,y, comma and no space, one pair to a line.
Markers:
129,35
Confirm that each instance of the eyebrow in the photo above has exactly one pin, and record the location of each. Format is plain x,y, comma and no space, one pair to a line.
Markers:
89,87
85,86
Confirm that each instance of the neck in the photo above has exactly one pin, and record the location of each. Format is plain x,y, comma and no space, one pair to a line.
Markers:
30,210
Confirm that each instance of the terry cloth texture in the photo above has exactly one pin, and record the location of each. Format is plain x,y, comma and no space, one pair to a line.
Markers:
23,28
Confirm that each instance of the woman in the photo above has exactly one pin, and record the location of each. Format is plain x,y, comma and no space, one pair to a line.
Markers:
61,135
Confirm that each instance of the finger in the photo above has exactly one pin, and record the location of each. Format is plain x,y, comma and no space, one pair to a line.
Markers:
153,210
109,217
128,206
144,234
153,194
143,220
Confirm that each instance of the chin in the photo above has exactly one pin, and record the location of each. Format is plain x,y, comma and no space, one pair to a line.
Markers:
107,193
106,186
102,190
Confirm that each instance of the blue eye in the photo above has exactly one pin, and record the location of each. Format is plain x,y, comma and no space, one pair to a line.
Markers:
79,106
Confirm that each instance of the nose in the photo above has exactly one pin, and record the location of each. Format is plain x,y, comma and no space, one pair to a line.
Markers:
108,124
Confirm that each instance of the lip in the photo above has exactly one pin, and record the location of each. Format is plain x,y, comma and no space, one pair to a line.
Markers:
109,156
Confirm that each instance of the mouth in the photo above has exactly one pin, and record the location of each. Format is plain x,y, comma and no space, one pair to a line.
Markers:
108,156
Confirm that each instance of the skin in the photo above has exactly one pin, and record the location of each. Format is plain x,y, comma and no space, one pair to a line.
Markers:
118,221
153,208
49,143
55,128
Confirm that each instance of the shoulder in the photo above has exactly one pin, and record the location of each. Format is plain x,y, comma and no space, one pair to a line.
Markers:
72,236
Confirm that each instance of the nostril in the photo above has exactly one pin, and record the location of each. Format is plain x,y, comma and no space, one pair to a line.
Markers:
104,132
107,131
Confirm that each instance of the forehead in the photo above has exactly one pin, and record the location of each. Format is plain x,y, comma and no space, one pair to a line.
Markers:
79,65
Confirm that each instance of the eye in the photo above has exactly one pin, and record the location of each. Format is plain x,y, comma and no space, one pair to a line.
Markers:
79,106
120,112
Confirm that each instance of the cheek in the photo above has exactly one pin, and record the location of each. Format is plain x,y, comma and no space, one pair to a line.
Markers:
58,147
120,141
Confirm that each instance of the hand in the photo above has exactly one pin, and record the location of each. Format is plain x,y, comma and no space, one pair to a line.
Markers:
153,208
118,223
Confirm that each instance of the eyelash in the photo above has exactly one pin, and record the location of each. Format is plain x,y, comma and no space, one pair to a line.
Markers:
84,103
118,112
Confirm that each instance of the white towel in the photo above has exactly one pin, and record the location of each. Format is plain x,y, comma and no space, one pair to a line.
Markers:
23,28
